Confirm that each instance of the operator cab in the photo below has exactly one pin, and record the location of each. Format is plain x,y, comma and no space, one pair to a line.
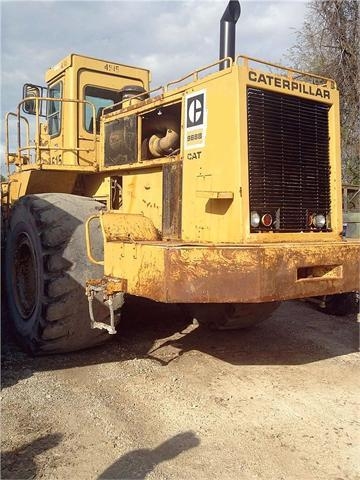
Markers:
78,89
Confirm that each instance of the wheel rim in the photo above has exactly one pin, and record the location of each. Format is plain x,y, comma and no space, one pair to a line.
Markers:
25,285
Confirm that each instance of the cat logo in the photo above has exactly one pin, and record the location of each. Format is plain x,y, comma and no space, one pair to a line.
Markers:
196,120
195,111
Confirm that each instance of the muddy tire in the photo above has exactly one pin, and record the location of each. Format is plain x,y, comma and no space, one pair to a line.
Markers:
231,316
342,304
46,267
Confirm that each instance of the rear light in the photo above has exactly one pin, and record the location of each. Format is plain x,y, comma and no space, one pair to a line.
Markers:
267,220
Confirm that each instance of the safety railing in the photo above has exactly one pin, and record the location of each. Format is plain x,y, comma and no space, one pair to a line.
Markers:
289,71
227,63
129,100
194,75
89,249
7,140
37,146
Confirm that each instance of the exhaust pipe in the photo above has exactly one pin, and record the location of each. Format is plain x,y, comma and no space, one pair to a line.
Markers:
227,32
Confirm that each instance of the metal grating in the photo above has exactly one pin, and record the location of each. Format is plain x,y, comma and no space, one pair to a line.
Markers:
289,169
121,141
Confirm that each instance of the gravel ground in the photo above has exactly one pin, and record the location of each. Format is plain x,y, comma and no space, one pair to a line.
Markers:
169,400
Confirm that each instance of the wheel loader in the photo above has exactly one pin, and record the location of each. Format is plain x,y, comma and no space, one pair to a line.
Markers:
219,191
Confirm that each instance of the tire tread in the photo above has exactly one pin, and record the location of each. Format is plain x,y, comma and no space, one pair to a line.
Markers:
62,325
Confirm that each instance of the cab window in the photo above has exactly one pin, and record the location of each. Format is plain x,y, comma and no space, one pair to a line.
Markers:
54,110
100,98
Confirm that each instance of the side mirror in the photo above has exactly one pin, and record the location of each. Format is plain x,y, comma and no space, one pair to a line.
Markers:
29,106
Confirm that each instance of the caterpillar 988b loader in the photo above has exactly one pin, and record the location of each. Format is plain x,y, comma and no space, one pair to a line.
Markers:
221,191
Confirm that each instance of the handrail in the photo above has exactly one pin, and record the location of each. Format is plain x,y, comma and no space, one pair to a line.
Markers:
195,73
246,60
88,238
226,61
7,116
133,97
37,147
57,149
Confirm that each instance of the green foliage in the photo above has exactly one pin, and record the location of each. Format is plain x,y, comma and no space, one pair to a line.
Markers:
328,44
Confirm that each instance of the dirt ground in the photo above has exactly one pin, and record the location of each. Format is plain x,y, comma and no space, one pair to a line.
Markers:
169,400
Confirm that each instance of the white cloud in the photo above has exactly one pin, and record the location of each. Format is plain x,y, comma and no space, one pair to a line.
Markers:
170,38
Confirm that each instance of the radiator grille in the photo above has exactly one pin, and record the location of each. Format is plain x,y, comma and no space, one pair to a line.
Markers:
289,171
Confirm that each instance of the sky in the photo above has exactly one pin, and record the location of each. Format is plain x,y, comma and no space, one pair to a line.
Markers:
170,38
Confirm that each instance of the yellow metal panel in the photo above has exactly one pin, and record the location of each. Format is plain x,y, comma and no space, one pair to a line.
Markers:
289,85
335,162
70,122
257,273
215,167
57,69
97,186
214,195
142,194
128,227
142,270
37,181
113,68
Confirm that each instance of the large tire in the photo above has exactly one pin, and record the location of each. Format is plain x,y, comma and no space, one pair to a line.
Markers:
231,316
46,270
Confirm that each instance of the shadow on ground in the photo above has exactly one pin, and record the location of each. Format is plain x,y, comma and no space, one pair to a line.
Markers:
137,464
20,463
295,334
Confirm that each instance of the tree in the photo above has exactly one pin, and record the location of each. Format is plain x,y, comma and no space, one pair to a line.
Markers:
328,44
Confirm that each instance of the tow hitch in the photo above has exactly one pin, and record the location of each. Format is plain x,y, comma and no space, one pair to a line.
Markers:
112,292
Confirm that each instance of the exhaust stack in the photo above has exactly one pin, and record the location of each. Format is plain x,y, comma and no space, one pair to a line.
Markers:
227,31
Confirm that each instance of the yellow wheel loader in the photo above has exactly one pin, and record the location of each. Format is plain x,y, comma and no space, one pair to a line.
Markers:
220,190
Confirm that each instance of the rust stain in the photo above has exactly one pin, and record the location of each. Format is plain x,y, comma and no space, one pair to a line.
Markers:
151,280
257,273
211,275
109,285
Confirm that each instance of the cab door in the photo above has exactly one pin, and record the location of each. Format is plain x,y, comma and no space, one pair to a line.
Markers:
99,90
53,136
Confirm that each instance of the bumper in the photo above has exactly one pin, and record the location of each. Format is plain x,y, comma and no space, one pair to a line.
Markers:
256,273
